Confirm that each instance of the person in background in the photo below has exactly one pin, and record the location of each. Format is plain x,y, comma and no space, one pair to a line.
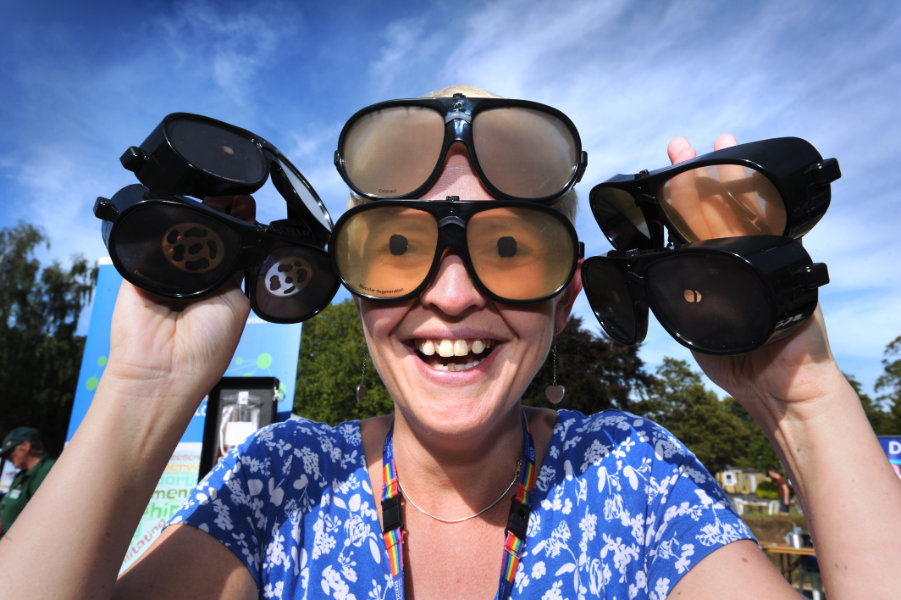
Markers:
24,448
782,487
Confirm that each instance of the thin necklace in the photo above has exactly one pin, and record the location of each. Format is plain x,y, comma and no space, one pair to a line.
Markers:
487,508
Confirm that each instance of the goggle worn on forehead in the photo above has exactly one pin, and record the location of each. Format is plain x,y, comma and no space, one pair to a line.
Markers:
199,156
520,150
176,247
771,187
723,296
514,252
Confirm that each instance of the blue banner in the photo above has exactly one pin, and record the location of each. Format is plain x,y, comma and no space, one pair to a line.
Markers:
265,350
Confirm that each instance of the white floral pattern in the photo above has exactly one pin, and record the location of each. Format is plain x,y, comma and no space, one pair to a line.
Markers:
621,511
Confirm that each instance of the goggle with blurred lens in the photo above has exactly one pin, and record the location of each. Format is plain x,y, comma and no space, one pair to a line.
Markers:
199,156
520,150
514,252
771,187
723,296
176,247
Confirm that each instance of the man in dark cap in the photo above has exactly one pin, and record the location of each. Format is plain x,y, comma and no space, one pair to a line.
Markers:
23,447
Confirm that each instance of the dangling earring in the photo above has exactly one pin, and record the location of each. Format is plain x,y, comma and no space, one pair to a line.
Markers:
361,389
554,393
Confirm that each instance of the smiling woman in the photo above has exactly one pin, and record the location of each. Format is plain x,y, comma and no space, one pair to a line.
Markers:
460,292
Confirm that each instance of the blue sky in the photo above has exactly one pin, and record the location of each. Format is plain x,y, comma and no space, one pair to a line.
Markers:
80,82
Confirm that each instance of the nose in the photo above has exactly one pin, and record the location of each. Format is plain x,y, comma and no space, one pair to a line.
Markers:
458,178
452,291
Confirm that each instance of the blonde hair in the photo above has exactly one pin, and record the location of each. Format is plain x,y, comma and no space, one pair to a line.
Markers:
567,204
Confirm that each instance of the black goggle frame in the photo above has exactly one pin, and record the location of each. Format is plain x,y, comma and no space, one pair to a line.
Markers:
797,170
459,112
783,273
257,253
452,216
163,165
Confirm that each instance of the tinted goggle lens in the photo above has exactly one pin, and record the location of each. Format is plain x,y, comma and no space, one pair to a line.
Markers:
173,250
612,301
218,151
522,152
292,283
700,204
517,254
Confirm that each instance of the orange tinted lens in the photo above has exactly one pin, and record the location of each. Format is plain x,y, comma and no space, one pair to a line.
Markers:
520,253
391,152
722,201
386,251
524,152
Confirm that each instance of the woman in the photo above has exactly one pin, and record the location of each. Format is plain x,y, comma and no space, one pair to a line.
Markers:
459,447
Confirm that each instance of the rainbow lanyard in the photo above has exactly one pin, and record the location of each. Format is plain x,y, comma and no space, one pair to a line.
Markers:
517,522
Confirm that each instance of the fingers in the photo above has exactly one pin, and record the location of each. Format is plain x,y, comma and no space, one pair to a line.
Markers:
240,207
679,150
726,140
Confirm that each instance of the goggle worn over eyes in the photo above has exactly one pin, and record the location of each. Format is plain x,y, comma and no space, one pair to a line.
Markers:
771,187
520,150
176,247
723,296
199,156
514,252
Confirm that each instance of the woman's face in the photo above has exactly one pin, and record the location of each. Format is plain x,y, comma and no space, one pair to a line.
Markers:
495,349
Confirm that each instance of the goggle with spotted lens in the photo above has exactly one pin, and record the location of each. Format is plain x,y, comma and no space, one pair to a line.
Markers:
724,296
176,247
199,156
520,150
514,252
778,186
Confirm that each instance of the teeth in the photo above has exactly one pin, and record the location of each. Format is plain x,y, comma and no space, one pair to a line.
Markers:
447,348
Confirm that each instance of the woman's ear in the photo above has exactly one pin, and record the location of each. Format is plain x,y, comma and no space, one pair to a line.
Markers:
567,298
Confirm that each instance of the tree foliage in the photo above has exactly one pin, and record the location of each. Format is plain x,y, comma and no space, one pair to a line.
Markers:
40,355
597,373
332,351
885,412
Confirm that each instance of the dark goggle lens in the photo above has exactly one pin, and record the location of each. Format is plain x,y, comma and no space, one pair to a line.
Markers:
173,250
217,150
621,219
292,284
611,300
719,201
716,303
518,254
391,152
524,152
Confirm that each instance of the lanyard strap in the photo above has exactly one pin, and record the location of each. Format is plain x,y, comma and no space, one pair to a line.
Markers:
514,534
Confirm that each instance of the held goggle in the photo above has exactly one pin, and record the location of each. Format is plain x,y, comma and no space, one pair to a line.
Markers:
520,150
176,247
723,296
515,253
771,187
199,156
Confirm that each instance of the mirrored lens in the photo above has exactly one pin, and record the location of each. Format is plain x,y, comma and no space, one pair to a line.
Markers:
715,302
520,253
393,151
611,300
620,218
173,250
293,283
719,201
387,251
217,150
524,152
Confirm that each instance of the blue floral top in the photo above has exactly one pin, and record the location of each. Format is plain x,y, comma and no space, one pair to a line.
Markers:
621,510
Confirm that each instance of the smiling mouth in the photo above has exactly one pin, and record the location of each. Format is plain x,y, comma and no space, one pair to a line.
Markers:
453,355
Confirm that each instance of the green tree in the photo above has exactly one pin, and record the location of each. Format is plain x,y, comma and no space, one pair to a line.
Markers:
332,351
890,384
597,373
680,402
40,355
